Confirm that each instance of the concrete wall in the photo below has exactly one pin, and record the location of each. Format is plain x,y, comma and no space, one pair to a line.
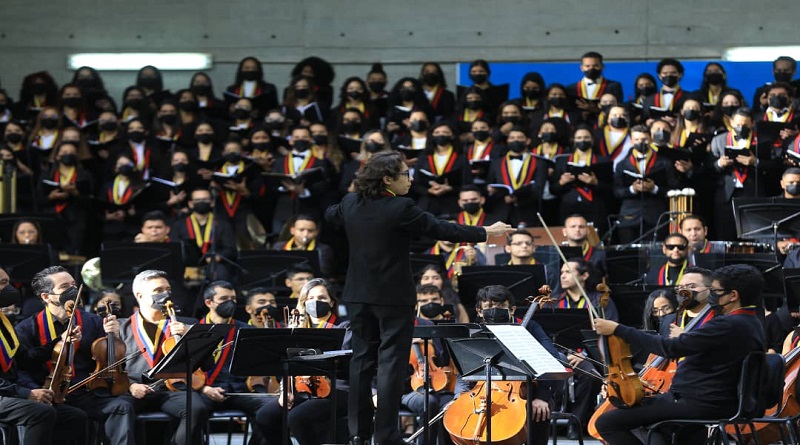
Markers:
38,34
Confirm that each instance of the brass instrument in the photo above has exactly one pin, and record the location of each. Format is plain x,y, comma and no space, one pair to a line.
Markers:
680,206
458,265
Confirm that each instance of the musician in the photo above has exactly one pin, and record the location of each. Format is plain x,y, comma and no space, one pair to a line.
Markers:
705,385
379,286
297,276
670,98
120,197
659,304
40,333
308,414
220,299
587,92
457,253
520,246
146,331
154,228
697,281
780,109
471,202
576,230
304,231
19,405
258,299
233,191
694,228
676,250
69,196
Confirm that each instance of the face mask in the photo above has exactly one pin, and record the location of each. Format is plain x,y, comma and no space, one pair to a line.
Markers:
108,126
478,78
442,140
728,110
377,87
662,136
250,75
618,122
9,295
419,126
273,312
134,103
351,127
430,79
149,82
605,109
201,90
137,137
642,147
301,145
793,189
670,81
583,145
202,208
472,207
558,102
274,125
69,160
431,310
657,321
85,83
713,302
548,137
481,135
126,170
531,93
318,309
511,119
783,76
226,309
38,88
714,79
179,168
496,315
188,106
14,138
354,94
72,102
241,113
232,158
168,119
778,102
474,104
204,138
160,299
592,73
373,147
3,107
646,91
688,298
691,115
50,123
265,146
320,139
517,146
68,295
742,132
407,94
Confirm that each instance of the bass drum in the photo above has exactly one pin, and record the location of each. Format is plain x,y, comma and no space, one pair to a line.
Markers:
91,273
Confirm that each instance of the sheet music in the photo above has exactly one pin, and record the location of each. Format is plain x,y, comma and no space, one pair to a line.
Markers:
526,348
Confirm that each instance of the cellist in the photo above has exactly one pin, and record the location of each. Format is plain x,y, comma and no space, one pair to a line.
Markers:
41,332
705,384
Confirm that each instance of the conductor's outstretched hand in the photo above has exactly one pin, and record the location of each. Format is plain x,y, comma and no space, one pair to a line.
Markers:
498,228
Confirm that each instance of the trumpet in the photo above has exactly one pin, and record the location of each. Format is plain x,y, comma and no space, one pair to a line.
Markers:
680,206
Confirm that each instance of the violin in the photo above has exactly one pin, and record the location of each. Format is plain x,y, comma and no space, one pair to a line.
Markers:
263,384
198,376
105,351
63,356
465,419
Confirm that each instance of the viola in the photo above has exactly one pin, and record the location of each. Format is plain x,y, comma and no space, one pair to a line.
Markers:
106,351
63,356
198,376
465,419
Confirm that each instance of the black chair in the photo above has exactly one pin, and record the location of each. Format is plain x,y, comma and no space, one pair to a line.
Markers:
561,416
755,396
231,417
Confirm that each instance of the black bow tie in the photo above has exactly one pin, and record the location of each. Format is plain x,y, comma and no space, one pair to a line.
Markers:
299,156
590,83
517,157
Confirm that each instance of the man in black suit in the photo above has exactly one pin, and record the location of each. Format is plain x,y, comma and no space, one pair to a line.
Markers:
586,93
668,101
379,290
783,70
641,182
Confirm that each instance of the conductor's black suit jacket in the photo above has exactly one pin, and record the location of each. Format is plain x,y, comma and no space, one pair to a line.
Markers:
379,233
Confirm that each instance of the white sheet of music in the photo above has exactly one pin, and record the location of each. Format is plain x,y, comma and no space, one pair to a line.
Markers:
526,348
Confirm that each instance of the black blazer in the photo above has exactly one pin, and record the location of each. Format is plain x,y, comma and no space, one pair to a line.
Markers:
611,87
650,206
379,233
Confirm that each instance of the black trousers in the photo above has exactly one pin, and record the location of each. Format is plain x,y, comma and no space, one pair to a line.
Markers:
116,414
71,426
309,419
174,404
415,402
37,418
250,405
381,340
615,426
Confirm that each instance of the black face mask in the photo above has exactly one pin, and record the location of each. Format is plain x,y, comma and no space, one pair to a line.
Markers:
160,300
793,189
273,312
232,158
72,102
350,127
669,81
202,208
226,309
180,167
782,76
430,79
742,132
517,146
241,113
442,140
376,87
149,82
168,119
134,103
715,79
657,320
480,135
201,90
691,115
583,145
318,309
301,145
662,136
618,122
49,123
406,94
250,75
188,106
646,91
592,73
549,136
431,310
9,295
69,160
642,147
204,138
778,102
419,126
137,137
274,125
265,146
70,294
3,107
511,119
320,139
354,94
532,93
373,147
728,110
302,93
472,208
38,88
713,302
85,83
474,105
127,170
14,138
478,78
496,315
558,102
108,126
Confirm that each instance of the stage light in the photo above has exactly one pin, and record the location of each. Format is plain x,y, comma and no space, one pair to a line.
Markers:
135,61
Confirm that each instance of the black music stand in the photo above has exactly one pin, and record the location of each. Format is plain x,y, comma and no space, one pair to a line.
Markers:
275,352
792,279
523,281
626,266
23,261
630,299
52,231
193,349
122,261
268,267
766,218
563,326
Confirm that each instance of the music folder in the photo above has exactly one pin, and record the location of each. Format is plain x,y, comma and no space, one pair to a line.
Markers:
521,344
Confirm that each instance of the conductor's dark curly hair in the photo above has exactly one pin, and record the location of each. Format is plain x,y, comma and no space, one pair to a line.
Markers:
369,180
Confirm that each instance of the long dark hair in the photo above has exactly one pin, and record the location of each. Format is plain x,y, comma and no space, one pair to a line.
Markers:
369,180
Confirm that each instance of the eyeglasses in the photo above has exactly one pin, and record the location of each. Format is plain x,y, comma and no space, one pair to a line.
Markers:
676,246
406,173
663,310
719,291
522,243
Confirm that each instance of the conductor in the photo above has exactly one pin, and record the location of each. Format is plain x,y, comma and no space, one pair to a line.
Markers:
379,290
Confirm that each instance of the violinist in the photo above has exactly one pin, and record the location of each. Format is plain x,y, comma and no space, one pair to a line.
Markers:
308,412
697,282
259,299
146,331
30,408
705,384
41,332
220,299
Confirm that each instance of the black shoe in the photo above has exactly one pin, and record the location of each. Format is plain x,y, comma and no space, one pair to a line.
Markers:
573,433
357,440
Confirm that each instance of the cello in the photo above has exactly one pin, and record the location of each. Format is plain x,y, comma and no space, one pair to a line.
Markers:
64,355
